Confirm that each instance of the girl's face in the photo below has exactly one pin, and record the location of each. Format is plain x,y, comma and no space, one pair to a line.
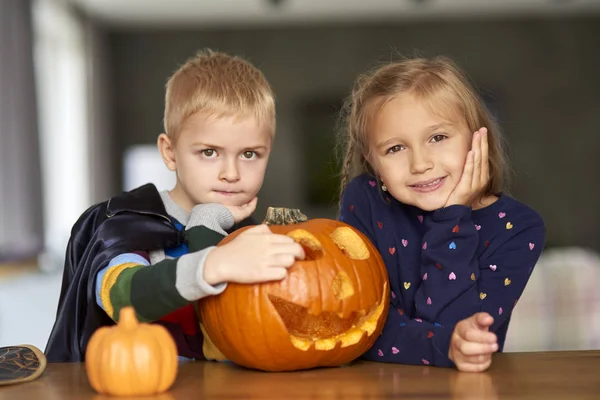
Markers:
418,155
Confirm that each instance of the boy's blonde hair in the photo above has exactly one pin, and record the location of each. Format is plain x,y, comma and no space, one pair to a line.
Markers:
218,85
441,85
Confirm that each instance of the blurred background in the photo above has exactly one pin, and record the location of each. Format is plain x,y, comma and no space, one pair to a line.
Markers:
82,97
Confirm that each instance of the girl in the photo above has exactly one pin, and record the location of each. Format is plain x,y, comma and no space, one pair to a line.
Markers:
423,179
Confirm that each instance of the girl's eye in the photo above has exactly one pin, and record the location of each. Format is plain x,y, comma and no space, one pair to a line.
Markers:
208,153
438,138
394,149
249,155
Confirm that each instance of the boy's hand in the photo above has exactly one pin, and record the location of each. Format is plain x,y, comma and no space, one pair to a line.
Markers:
242,212
256,255
472,343
476,173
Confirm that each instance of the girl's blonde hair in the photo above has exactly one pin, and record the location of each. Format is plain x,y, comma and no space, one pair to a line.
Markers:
219,85
441,85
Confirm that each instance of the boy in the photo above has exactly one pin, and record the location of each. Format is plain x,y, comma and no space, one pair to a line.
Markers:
156,251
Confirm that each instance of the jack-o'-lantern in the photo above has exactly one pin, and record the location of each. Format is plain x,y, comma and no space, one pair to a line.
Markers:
327,311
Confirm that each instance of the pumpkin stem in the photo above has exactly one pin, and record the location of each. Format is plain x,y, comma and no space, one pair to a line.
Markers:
127,318
284,216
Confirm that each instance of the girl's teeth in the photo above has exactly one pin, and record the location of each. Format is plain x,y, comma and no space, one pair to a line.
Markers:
430,184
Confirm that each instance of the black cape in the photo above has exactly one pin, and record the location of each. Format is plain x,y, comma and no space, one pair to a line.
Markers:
133,221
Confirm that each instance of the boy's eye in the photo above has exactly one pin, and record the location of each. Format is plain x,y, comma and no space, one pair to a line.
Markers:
209,153
249,155
438,138
394,149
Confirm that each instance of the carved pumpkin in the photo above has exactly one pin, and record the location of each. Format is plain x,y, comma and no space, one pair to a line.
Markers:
328,310
131,358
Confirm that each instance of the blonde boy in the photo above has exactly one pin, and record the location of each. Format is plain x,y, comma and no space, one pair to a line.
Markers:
156,250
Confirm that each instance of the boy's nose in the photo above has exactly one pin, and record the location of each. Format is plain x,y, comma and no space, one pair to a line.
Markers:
229,172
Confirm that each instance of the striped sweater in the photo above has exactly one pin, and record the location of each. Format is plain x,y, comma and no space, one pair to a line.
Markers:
163,286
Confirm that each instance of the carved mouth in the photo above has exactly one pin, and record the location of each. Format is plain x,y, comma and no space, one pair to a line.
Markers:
325,330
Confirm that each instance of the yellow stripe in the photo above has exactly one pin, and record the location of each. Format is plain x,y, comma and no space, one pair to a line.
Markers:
108,281
209,349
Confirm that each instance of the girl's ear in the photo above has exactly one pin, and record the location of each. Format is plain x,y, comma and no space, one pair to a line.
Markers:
167,151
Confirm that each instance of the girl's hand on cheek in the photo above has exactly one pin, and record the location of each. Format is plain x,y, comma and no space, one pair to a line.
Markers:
475,176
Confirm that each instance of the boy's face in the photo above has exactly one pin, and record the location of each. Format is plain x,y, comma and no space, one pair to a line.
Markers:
218,160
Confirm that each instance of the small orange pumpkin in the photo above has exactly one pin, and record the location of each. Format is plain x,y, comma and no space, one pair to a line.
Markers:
327,312
131,358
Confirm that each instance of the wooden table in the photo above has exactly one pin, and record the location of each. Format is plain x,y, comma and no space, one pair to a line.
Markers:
552,375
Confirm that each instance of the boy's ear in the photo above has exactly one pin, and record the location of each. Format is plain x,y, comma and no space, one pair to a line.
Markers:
167,152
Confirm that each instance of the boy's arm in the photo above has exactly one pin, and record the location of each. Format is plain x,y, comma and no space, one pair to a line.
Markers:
207,226
157,290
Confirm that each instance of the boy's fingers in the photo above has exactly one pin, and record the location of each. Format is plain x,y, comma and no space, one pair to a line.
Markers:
298,252
277,238
262,228
293,249
282,260
244,210
274,274
252,203
249,203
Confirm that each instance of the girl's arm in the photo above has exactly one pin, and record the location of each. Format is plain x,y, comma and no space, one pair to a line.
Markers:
411,341
403,340
497,282
449,266
456,284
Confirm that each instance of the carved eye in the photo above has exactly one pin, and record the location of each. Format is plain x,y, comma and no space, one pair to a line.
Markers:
350,243
313,248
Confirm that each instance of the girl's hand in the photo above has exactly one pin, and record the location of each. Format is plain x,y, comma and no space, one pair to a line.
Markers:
475,175
472,344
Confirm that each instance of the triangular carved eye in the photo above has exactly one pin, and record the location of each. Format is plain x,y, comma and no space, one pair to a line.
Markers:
350,243
313,249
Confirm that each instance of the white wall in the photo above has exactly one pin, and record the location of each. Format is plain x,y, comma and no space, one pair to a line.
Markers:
63,123
27,308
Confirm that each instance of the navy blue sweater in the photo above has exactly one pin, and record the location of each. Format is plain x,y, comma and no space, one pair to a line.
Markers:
443,266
